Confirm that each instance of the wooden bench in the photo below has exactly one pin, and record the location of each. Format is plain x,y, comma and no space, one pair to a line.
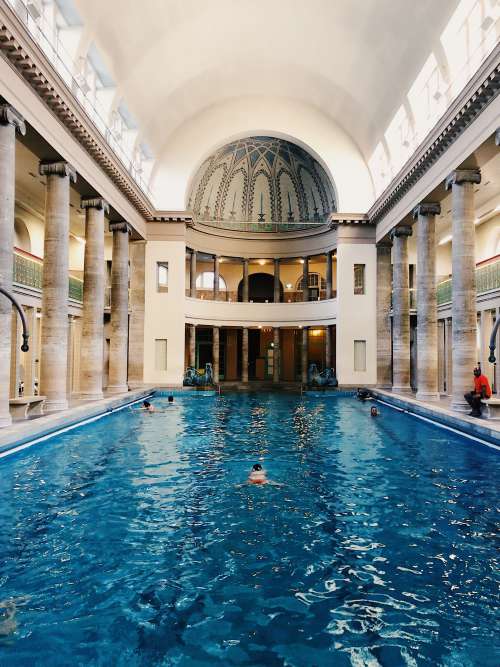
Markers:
492,408
26,406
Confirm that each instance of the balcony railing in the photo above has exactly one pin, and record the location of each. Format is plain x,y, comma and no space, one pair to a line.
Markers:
28,272
226,295
487,279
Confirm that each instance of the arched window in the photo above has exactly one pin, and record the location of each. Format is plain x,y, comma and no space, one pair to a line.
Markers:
206,281
315,281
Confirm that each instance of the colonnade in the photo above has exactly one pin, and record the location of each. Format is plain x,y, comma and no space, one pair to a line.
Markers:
245,276
53,351
461,182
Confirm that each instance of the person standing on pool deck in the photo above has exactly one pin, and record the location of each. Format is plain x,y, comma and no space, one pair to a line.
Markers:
482,390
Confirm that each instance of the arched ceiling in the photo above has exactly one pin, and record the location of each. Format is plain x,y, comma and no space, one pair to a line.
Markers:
352,61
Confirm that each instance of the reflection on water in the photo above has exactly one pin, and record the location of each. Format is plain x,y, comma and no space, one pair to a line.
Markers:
134,542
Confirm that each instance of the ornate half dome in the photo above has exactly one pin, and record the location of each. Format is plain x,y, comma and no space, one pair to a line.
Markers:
261,184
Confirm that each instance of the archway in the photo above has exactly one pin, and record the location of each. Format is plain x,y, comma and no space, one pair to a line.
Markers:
260,288
22,238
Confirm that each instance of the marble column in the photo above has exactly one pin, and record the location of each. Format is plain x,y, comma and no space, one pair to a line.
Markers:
216,277
91,363
401,311
449,355
245,280
328,347
54,346
215,353
329,274
277,352
192,275
137,308
384,288
192,345
463,266
244,355
304,354
118,346
10,122
305,279
427,330
277,283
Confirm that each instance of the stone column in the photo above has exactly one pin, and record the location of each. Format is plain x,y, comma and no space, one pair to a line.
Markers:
463,267
277,351
328,347
427,341
401,311
245,280
305,278
10,121
449,356
244,355
216,277
304,354
215,353
54,348
118,344
192,345
384,288
91,364
192,275
497,351
137,306
277,283
329,274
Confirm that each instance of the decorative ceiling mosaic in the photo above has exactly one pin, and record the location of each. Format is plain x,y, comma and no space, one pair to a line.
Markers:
261,184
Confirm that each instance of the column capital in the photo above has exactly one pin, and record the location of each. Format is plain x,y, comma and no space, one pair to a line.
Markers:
58,168
461,176
399,232
384,245
427,208
497,136
9,116
120,226
95,202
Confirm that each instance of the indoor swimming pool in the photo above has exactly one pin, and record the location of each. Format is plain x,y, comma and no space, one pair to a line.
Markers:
134,540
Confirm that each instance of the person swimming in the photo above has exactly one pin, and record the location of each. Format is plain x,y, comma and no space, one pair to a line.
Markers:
257,475
148,407
374,411
170,399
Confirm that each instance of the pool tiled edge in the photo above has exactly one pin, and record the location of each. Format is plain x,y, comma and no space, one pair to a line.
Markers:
21,433
468,426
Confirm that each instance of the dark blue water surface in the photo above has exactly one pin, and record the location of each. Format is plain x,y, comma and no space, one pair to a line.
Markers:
130,542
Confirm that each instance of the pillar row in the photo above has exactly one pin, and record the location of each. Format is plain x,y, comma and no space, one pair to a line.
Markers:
401,311
91,357
10,122
427,331
54,345
118,362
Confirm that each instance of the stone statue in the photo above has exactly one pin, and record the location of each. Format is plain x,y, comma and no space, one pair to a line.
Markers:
324,379
192,378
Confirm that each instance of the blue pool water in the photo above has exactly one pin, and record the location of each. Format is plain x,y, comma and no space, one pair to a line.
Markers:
130,542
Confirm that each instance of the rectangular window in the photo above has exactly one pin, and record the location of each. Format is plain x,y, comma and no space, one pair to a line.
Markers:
161,354
359,279
360,355
162,276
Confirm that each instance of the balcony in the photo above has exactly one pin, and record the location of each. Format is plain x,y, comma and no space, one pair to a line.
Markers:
28,271
487,280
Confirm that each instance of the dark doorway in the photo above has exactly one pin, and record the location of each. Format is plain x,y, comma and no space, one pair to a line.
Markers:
253,352
260,288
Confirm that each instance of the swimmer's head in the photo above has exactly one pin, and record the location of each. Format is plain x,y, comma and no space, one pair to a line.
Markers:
257,467
170,399
147,404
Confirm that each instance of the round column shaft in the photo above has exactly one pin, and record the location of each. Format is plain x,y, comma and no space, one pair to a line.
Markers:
10,121
427,331
305,279
215,353
463,267
245,281
277,283
137,311
216,278
329,274
304,354
401,311
54,338
384,287
328,347
192,275
244,355
192,345
91,354
276,352
118,362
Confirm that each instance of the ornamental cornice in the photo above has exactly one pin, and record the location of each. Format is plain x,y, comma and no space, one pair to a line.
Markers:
337,219
57,168
461,176
427,208
95,202
9,116
481,90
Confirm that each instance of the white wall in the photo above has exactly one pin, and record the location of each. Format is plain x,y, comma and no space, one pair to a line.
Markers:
356,314
164,311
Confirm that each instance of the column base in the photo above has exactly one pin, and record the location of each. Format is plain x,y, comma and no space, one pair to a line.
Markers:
117,389
385,386
55,405
91,397
5,421
428,396
403,389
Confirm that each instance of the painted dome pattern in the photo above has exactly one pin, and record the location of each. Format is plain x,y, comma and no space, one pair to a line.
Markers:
261,184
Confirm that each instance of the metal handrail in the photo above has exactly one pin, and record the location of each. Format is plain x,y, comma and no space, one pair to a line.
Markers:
24,347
